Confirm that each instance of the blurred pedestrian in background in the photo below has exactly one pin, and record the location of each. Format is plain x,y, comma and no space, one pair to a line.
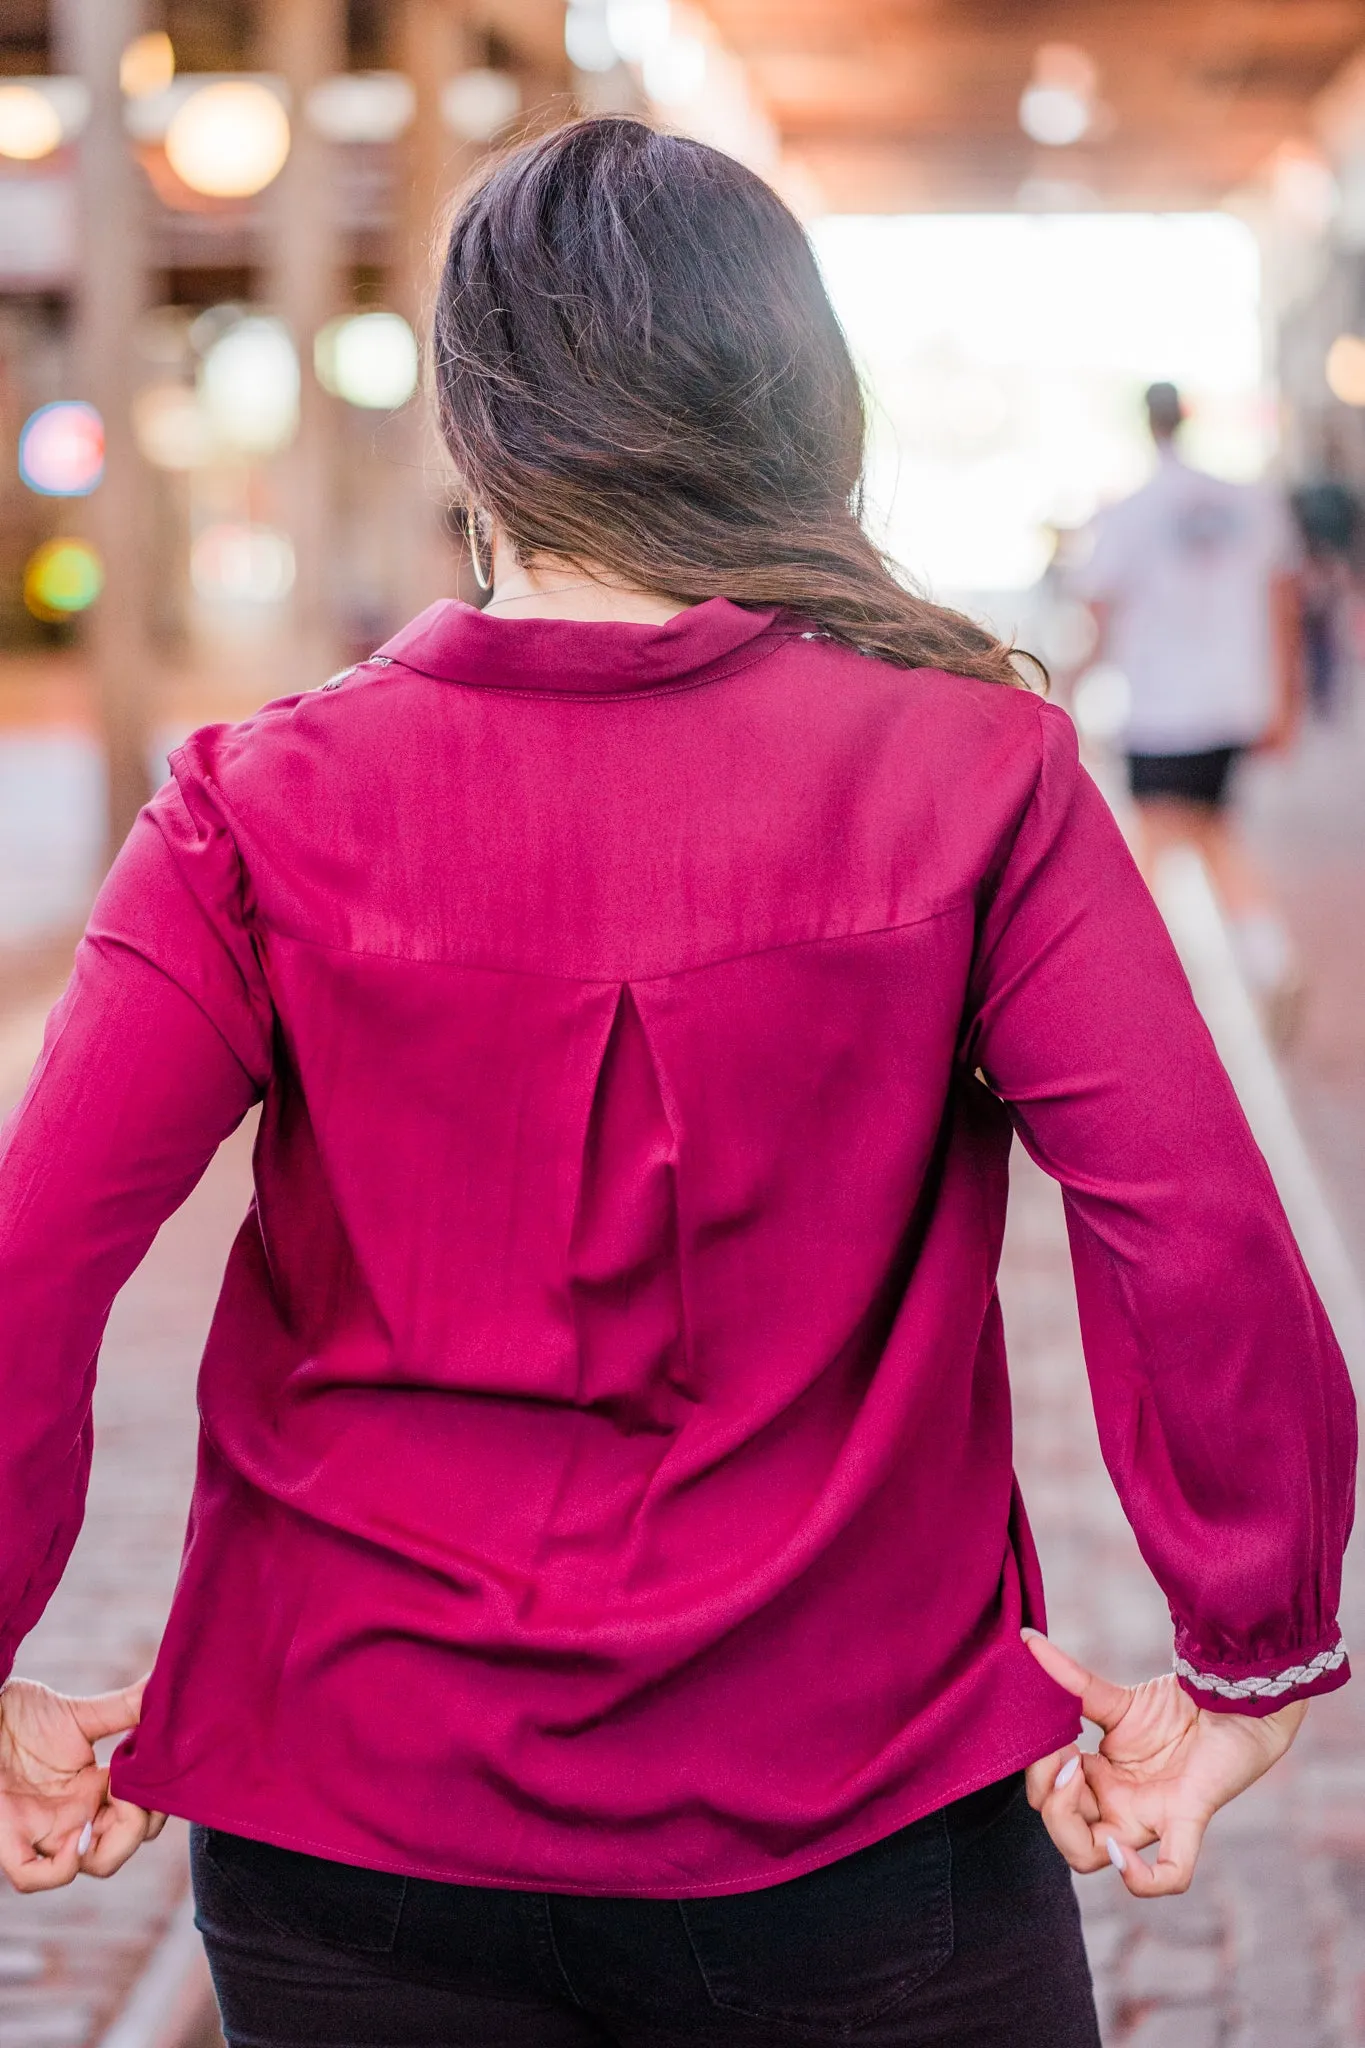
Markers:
1327,513
609,1615
1192,581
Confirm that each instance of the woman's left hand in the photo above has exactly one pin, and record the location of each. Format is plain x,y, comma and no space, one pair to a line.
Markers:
1162,1770
56,1814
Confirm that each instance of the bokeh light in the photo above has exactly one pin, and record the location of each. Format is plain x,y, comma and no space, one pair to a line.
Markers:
30,126
362,106
61,449
587,37
639,28
229,139
1303,188
1346,369
477,105
147,65
675,72
61,578
369,359
1053,114
237,563
1057,106
249,384
171,428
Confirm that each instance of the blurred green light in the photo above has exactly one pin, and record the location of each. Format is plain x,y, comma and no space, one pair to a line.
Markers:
62,577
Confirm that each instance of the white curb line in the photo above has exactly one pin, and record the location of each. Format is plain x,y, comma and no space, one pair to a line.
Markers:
1196,924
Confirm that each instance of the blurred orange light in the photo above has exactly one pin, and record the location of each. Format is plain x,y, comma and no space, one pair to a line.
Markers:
171,428
30,126
147,65
229,139
1346,369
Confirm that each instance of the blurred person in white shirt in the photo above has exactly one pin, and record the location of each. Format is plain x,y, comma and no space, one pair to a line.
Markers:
1192,581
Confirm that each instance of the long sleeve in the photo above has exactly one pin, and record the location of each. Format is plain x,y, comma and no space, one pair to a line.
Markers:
1225,1413
154,1054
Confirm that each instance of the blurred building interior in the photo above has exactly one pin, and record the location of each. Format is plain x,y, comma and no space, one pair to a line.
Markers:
217,226
219,483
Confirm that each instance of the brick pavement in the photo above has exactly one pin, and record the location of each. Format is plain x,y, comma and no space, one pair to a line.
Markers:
68,1959
1307,822
1269,1945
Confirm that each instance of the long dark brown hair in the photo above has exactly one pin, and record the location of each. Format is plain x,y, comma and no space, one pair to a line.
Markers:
637,366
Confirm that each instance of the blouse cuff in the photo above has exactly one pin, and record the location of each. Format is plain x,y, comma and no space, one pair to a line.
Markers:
1264,1691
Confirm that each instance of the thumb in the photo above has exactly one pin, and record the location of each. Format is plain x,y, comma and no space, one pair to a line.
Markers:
108,1713
1101,1700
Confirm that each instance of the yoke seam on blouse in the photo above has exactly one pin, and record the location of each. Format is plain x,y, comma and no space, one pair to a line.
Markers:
876,931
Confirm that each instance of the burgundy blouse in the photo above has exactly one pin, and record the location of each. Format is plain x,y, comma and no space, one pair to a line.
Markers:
605,1480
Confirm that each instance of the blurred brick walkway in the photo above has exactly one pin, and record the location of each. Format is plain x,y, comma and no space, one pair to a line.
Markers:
1307,823
1268,1948
68,1959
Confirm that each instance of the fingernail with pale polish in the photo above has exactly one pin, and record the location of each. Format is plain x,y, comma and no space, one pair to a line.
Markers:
1067,1772
1116,1855
87,1837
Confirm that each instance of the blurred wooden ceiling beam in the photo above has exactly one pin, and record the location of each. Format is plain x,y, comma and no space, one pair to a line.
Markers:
915,103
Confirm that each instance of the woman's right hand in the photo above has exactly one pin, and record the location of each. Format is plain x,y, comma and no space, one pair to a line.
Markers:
1161,1772
56,1815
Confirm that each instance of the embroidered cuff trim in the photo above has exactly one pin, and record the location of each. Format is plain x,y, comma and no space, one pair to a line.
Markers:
1263,1688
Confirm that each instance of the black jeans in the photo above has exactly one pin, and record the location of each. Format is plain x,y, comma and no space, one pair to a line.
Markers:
962,1928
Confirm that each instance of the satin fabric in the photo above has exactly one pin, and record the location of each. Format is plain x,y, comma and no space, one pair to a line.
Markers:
605,1481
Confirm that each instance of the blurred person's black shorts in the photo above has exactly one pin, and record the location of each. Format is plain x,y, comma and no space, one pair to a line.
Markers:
1183,778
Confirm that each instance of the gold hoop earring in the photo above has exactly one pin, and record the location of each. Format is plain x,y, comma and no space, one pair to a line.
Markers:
483,577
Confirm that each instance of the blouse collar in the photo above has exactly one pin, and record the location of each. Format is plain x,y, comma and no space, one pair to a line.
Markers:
457,643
